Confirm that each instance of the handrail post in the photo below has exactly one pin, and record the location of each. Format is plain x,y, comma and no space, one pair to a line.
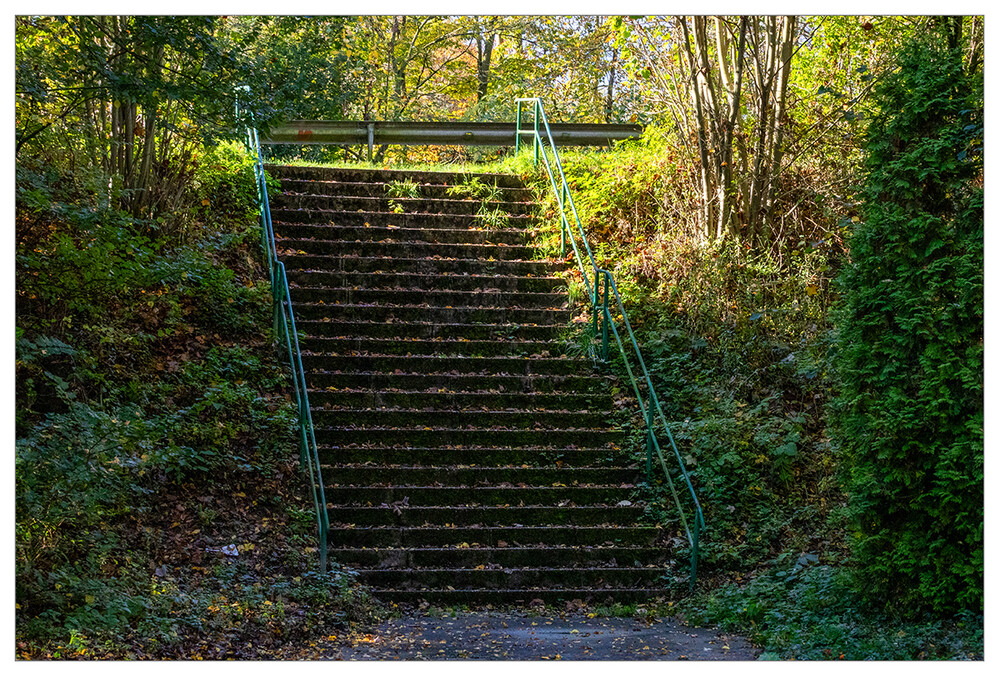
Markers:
649,450
694,553
537,131
563,220
595,299
604,351
516,134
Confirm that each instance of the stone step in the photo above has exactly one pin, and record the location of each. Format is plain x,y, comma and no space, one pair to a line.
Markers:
362,330
432,264
451,596
604,534
511,518
411,281
287,199
505,578
460,497
431,314
464,420
452,382
482,252
390,364
358,175
373,233
368,398
353,346
434,297
429,435
472,455
498,557
393,190
518,222
453,475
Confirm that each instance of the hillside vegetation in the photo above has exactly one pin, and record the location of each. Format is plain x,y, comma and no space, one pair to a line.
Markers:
798,237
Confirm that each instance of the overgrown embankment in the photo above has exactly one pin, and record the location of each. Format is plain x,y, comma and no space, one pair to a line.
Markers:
742,342
160,509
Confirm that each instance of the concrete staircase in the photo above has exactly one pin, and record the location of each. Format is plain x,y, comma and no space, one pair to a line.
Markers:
466,457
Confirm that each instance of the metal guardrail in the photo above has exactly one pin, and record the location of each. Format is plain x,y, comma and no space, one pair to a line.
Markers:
603,320
284,331
303,132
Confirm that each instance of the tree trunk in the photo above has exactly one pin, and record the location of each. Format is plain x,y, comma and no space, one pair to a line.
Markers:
485,46
609,102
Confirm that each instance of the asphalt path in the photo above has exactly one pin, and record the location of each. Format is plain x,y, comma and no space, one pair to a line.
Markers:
506,636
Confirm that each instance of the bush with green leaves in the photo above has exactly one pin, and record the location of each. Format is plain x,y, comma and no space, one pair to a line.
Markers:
806,608
224,185
910,413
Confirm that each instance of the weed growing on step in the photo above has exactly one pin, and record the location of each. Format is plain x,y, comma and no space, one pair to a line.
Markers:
403,189
493,218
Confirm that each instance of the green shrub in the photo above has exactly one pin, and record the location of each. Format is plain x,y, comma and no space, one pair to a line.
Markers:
910,416
809,609
224,187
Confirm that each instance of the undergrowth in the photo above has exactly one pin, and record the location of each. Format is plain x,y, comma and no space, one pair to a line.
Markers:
160,511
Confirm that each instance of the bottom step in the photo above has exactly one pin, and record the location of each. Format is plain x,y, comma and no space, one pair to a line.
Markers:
458,597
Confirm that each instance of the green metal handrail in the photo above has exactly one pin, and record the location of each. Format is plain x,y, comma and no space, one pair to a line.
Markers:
285,331
603,320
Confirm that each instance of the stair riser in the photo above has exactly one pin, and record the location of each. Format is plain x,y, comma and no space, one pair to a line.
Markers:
472,476
490,557
524,420
426,266
385,219
485,516
431,315
350,174
490,348
512,577
459,597
458,401
476,437
454,383
430,364
485,456
408,205
381,330
454,282
437,297
377,234
386,191
443,496
481,252
586,536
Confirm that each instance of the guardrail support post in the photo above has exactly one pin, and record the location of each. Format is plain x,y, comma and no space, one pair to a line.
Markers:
649,449
694,553
563,220
537,131
605,351
516,135
371,141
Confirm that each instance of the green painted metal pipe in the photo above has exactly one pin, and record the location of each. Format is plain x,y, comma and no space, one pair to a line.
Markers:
651,408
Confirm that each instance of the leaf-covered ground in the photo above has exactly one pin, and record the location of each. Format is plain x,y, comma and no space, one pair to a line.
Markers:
521,635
